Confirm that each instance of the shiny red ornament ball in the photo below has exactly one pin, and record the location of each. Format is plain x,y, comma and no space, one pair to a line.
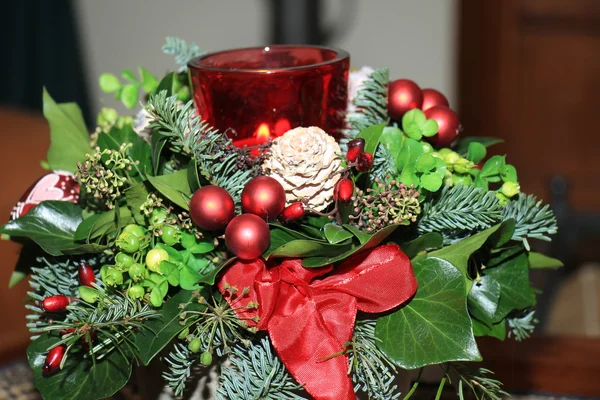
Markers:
53,359
211,208
293,212
57,185
432,98
56,303
343,190
247,236
403,96
448,125
86,274
263,196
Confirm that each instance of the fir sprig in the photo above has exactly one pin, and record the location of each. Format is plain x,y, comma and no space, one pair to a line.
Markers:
220,163
180,363
476,380
256,373
371,371
532,219
371,104
522,326
182,51
458,209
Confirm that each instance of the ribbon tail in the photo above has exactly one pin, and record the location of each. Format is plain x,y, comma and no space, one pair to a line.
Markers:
305,346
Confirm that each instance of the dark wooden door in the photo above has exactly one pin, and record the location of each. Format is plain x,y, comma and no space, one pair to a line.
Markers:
530,73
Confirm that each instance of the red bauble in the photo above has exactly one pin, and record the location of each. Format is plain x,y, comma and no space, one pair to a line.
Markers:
247,236
404,95
432,98
211,208
448,125
263,196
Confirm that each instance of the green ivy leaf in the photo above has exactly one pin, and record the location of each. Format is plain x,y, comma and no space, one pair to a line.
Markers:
434,327
109,83
476,152
428,241
371,136
373,241
431,181
463,144
483,300
497,330
50,224
99,225
129,95
162,330
69,139
336,234
174,187
538,260
149,81
80,378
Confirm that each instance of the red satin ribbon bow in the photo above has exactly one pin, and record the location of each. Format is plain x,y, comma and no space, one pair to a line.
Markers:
310,319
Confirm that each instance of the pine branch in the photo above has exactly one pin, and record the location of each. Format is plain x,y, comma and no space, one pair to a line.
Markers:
532,220
220,163
372,372
182,51
476,381
180,362
384,164
371,104
458,209
256,374
521,327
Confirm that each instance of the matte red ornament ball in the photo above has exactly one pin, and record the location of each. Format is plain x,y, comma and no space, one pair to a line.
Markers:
448,125
432,98
403,96
53,359
247,236
211,208
263,196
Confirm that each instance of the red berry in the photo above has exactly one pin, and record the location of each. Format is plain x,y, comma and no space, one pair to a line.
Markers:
211,208
86,274
355,147
343,190
263,196
53,359
293,212
364,162
56,303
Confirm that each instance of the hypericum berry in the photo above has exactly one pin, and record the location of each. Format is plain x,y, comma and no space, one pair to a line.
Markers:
158,216
137,272
128,242
123,260
293,212
56,303
364,162
53,359
136,292
355,147
155,257
170,235
194,345
206,358
113,277
86,274
343,190
137,230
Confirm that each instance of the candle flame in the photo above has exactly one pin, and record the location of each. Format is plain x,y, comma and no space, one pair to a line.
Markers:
263,132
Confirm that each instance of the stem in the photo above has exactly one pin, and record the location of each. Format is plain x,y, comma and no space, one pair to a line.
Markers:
440,388
414,386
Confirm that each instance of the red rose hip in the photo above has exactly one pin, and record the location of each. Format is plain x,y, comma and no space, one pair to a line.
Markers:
293,212
364,162
355,147
86,274
53,359
344,190
56,303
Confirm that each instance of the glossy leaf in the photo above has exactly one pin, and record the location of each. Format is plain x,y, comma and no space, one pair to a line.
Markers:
80,378
193,177
109,83
99,225
428,241
429,128
538,260
476,152
171,272
162,330
371,136
210,277
497,330
336,234
483,300
301,248
425,162
510,174
129,95
492,168
69,139
174,187
157,144
463,144
135,196
434,327
431,182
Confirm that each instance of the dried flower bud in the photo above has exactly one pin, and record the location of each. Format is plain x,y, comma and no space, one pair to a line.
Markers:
293,212
343,190
355,148
364,162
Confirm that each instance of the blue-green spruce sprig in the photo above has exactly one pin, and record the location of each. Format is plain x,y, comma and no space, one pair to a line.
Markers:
182,51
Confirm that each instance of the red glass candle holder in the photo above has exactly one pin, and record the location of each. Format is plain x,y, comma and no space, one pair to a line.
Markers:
259,93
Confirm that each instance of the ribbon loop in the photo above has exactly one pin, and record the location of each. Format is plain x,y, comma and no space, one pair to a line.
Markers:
310,313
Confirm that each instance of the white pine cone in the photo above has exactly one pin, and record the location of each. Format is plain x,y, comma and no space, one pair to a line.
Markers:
307,163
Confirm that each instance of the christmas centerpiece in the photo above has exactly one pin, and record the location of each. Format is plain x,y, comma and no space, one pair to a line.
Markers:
311,240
